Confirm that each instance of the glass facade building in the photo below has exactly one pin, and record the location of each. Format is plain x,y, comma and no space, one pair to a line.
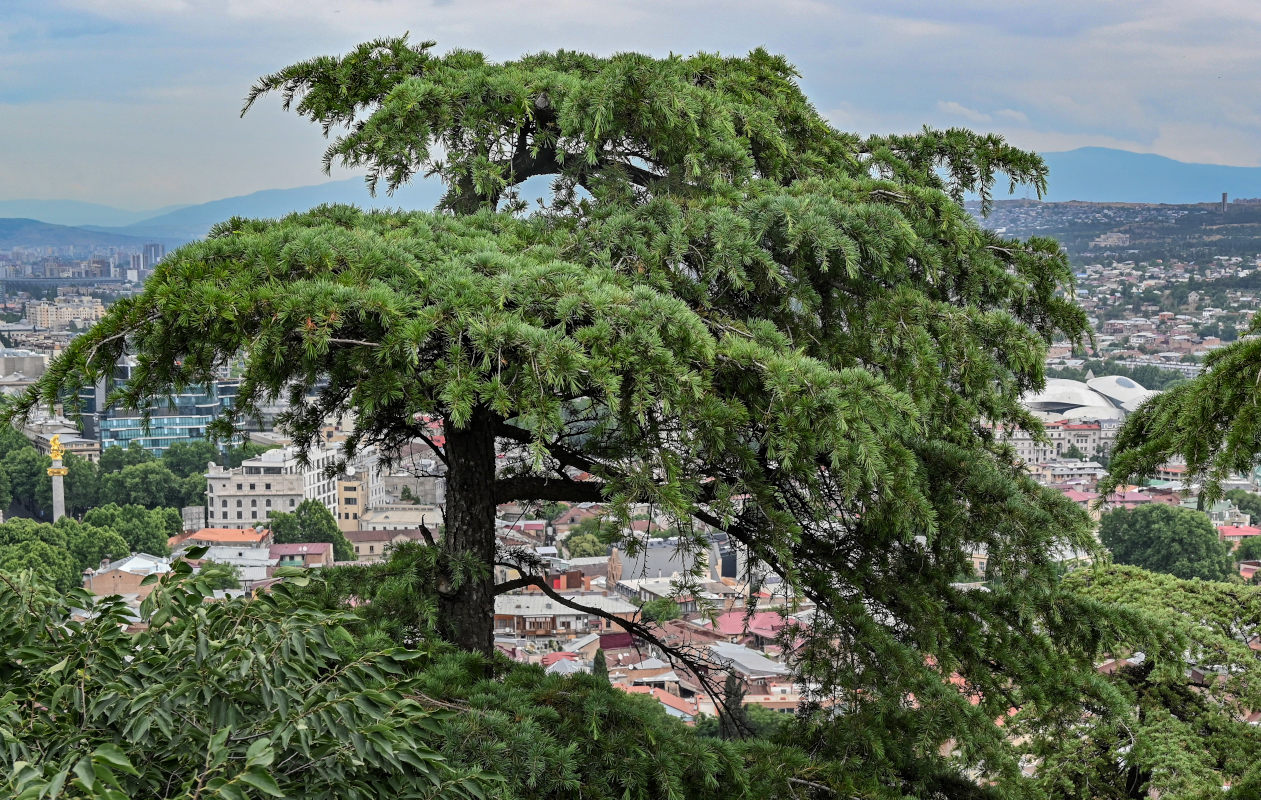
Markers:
184,417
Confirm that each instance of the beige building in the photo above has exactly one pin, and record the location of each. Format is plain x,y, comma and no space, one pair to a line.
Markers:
252,492
351,502
57,315
399,517
277,481
373,546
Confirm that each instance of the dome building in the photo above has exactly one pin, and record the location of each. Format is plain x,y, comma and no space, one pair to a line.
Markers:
1108,398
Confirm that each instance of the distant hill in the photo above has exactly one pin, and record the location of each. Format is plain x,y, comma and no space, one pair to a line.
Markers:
193,222
1100,174
75,213
33,233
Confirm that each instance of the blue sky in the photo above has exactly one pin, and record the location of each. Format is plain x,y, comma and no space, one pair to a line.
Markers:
134,103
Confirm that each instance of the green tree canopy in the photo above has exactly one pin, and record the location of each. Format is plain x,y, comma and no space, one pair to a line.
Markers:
1165,538
660,609
584,545
148,483
1182,736
311,521
728,309
1249,549
190,458
27,471
114,458
57,553
1247,502
218,575
144,530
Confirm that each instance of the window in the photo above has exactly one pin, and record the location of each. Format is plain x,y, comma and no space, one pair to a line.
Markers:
267,486
238,515
291,502
352,501
253,504
238,503
371,548
269,504
225,504
238,487
251,487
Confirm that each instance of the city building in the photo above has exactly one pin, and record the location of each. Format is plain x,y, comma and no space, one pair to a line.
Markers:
125,575
279,480
183,417
81,311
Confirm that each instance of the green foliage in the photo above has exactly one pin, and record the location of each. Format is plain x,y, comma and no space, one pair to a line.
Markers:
1211,421
1164,538
81,485
311,521
584,545
57,553
218,575
189,458
1178,739
114,458
1247,502
733,719
27,472
288,709
247,450
662,609
145,530
727,309
1249,549
600,666
1146,375
758,722
148,483
1073,451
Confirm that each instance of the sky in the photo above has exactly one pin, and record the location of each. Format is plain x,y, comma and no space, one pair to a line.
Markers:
134,103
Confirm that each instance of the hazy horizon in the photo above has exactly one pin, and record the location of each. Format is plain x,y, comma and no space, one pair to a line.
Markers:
134,103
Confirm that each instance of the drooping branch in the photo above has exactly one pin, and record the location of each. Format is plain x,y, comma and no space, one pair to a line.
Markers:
694,661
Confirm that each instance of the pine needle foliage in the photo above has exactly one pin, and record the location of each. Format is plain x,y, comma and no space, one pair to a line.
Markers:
726,308
1213,422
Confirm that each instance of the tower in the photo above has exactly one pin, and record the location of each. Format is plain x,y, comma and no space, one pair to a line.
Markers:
58,473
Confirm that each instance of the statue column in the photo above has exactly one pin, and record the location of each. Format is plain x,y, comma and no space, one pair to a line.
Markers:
58,473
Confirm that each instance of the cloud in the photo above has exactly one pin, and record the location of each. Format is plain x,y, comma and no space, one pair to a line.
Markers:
954,109
137,99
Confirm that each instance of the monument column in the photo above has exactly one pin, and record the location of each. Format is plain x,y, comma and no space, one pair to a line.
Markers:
58,473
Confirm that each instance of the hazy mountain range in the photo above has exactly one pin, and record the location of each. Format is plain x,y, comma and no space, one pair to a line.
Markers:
1090,173
44,222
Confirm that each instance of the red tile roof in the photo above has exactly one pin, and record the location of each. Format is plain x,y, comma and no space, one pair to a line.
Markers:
230,535
662,696
1228,531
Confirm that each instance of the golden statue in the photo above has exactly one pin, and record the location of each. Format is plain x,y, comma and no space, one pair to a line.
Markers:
55,450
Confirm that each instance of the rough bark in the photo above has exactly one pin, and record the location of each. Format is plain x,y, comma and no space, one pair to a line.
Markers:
467,603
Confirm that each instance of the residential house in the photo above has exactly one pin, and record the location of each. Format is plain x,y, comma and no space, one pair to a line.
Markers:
125,576
373,546
302,554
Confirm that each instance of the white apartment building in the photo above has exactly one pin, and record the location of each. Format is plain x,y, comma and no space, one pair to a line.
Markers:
276,481
58,315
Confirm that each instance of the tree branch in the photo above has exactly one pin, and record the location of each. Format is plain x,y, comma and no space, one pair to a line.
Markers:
698,664
530,487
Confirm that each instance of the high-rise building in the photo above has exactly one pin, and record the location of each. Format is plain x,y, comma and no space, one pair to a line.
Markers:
152,254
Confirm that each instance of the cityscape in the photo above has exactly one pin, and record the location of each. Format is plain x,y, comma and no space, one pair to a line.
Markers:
668,413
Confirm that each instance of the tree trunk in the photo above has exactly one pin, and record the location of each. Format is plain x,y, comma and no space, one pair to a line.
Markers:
467,606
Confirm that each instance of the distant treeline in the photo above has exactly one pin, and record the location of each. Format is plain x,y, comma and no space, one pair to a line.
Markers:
1150,377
